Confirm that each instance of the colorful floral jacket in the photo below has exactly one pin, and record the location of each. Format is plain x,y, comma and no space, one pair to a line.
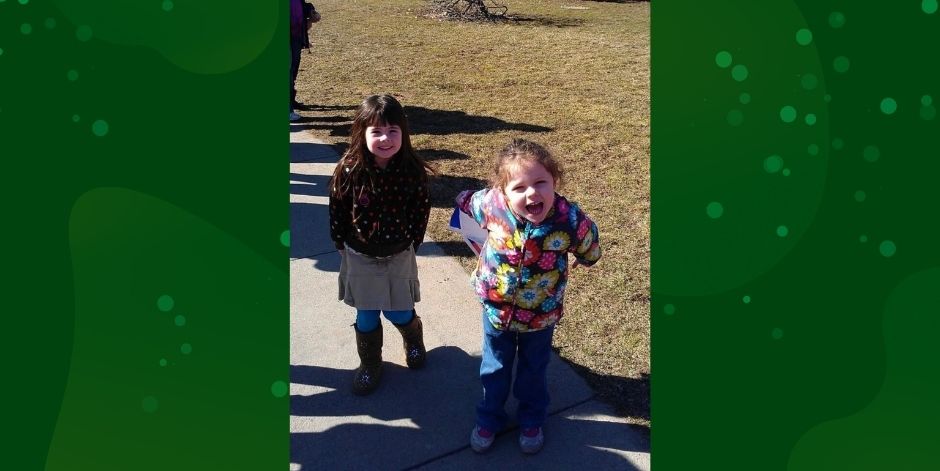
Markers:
523,268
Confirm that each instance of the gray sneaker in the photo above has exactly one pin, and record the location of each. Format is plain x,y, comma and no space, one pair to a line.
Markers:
480,443
533,443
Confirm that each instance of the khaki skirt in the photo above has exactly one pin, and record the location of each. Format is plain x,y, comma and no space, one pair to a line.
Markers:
387,284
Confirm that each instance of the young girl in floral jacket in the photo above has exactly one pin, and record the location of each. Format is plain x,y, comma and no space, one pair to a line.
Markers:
520,279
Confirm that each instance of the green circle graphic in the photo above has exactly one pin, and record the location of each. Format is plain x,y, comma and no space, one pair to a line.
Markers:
871,153
723,59
860,196
809,82
669,309
165,303
744,98
841,64
782,231
739,73
83,33
836,19
804,37
714,210
929,6
928,113
777,333
788,114
773,164
887,248
746,299
149,404
888,105
735,117
837,143
186,349
279,388
179,320
100,128
810,119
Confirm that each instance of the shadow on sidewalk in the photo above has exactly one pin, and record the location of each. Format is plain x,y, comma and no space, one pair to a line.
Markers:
423,418
301,152
309,229
425,412
310,185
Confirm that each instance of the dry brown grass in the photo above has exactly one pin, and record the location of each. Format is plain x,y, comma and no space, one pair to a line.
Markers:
576,80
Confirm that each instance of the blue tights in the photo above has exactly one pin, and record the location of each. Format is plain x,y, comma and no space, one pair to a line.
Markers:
368,320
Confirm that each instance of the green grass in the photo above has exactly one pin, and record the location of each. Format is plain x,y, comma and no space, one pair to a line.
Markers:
576,80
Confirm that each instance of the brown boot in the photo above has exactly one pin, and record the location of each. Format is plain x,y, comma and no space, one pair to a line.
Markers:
369,373
412,335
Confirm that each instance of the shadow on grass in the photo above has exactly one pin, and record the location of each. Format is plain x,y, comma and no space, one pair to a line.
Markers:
326,119
306,107
425,121
442,122
629,396
444,188
441,154
552,21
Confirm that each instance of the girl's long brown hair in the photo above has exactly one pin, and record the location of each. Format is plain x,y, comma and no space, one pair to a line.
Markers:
357,162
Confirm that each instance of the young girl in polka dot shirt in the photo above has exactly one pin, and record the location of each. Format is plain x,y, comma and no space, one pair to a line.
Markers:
379,209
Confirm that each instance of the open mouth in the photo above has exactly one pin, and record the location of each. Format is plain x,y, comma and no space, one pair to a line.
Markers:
535,208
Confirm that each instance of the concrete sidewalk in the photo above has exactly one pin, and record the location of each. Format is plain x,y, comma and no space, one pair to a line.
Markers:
416,419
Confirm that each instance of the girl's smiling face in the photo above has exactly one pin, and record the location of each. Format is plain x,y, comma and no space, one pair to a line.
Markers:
530,191
383,141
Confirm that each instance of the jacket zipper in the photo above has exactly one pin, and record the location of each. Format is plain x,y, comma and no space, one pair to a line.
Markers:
515,294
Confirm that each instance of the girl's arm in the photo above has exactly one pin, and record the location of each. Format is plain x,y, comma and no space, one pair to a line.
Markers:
587,248
471,204
340,220
420,213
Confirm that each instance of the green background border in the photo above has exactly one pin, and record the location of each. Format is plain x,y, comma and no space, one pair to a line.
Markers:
145,157
794,252
794,259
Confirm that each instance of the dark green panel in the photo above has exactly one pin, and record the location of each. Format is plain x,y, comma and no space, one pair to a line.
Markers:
794,225
145,155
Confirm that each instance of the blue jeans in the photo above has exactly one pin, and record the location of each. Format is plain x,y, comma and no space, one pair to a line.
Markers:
531,385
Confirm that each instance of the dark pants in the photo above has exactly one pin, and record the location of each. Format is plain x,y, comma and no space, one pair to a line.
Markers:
500,349
296,46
